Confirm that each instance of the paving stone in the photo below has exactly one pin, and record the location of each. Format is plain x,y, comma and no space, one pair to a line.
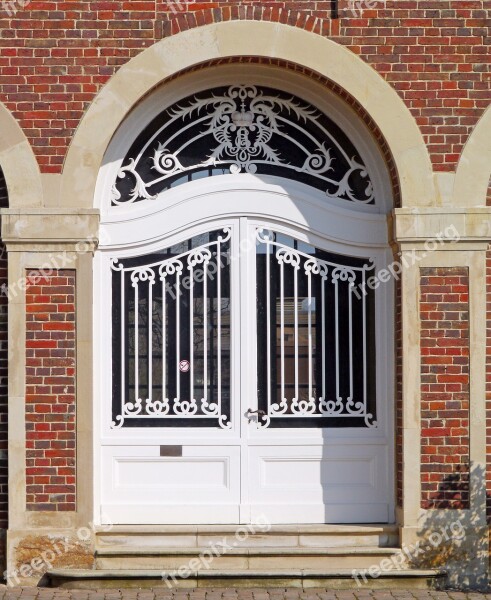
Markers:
163,593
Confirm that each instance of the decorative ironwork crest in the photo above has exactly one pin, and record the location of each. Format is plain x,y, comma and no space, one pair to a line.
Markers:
242,129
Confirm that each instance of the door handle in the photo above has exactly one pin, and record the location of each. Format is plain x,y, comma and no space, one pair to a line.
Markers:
260,413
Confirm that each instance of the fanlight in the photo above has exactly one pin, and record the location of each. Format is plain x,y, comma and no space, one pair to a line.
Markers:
242,129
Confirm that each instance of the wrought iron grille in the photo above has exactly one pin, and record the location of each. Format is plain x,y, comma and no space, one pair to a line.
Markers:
242,129
171,335
316,336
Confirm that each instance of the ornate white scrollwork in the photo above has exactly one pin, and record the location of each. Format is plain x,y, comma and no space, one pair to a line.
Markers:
185,408
140,189
330,408
244,128
158,408
142,274
264,236
172,267
165,162
224,422
225,235
116,265
199,257
316,267
280,408
343,274
304,407
209,408
288,256
130,409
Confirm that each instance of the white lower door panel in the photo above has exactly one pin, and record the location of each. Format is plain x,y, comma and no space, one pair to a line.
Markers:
201,486
316,484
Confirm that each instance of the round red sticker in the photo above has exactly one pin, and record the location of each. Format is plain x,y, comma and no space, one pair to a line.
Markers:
184,366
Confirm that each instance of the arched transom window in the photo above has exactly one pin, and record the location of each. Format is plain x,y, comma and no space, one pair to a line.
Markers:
242,129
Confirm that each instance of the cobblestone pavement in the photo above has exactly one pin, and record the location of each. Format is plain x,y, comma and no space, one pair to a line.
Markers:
233,594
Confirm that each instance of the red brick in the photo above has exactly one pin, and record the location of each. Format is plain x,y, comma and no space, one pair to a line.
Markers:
54,61
444,388
49,408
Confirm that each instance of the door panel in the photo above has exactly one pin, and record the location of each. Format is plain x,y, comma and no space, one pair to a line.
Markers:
201,486
252,348
174,375
318,448
319,484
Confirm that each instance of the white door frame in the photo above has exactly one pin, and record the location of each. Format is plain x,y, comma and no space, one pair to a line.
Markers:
303,210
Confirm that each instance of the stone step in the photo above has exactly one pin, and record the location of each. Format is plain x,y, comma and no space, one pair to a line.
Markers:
245,558
264,578
187,536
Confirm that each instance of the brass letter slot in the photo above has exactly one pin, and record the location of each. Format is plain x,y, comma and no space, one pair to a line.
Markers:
170,450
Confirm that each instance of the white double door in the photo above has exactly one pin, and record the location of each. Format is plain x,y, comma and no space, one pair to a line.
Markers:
288,463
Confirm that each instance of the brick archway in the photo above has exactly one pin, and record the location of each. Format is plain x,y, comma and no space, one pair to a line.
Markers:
256,39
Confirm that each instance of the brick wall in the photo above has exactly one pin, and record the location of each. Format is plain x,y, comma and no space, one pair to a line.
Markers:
50,391
54,57
444,307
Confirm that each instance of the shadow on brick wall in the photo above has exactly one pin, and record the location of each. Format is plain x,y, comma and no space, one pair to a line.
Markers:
453,490
452,535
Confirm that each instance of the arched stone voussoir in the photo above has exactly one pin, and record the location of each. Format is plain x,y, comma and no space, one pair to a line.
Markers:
247,38
18,163
474,169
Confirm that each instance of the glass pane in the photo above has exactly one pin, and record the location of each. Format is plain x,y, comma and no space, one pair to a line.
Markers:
171,335
315,337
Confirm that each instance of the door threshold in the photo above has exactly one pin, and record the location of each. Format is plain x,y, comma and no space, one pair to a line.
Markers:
232,528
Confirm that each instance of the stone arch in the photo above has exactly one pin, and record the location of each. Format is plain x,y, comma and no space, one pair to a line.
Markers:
473,174
20,186
18,164
257,39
